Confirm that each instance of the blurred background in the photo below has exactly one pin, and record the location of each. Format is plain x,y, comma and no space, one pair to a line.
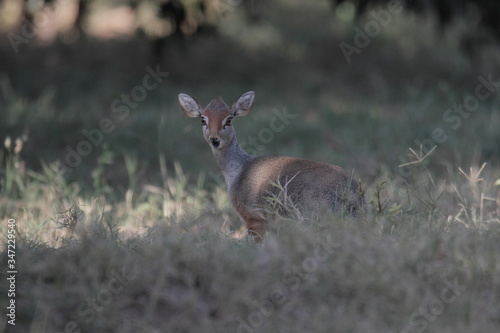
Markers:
102,171
91,86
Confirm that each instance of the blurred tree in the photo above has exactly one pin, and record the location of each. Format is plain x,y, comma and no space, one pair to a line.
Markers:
160,20
482,15
174,11
445,10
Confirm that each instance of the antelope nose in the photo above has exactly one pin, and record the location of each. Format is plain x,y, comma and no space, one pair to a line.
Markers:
215,142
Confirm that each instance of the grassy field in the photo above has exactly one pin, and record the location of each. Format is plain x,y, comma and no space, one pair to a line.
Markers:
123,223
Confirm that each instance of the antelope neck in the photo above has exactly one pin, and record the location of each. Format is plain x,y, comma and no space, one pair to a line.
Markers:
231,160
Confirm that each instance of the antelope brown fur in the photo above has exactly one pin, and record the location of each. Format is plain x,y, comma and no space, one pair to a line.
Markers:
312,186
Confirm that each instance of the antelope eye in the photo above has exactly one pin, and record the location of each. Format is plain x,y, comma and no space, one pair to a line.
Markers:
203,121
228,122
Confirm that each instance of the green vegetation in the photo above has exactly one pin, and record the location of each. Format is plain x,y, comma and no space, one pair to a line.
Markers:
139,236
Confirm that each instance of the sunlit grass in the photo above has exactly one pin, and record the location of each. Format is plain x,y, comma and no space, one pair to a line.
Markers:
377,270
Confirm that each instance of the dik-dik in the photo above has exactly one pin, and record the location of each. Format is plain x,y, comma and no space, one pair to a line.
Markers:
311,186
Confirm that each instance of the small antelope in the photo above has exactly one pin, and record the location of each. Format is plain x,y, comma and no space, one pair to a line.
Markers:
311,186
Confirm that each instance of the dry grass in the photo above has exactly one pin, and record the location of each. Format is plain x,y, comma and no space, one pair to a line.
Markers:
101,266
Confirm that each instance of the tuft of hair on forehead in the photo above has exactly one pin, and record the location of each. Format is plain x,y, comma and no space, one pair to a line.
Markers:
217,105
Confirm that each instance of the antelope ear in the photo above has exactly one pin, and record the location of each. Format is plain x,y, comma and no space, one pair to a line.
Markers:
191,108
243,105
